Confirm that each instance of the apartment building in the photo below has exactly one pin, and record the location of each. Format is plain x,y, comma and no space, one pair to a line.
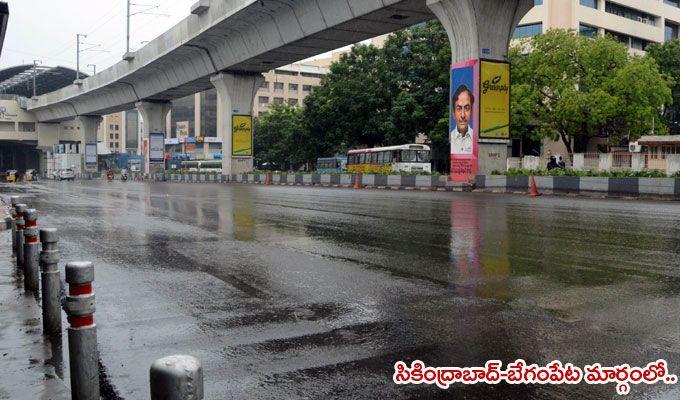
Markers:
290,84
636,23
112,132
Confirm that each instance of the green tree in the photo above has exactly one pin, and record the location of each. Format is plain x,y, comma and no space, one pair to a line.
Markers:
667,55
572,88
375,97
277,134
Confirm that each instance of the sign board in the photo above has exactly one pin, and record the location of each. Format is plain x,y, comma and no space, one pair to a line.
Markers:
212,140
242,135
171,141
191,148
494,100
464,120
156,147
91,156
182,129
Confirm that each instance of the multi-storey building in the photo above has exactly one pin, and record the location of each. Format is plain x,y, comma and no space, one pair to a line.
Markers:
290,84
112,132
636,23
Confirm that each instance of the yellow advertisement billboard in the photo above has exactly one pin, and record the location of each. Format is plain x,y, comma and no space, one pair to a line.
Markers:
494,102
242,136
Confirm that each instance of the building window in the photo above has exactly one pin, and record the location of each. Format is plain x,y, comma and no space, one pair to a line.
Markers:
116,146
111,145
528,30
278,86
116,127
311,75
670,32
630,41
292,87
306,88
265,85
538,2
630,13
111,136
674,3
111,126
116,136
281,72
26,127
589,3
278,100
263,100
587,31
292,102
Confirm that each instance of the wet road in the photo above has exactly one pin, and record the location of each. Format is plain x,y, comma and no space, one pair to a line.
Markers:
288,293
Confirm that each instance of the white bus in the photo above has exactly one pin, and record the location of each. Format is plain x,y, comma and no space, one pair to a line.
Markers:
404,158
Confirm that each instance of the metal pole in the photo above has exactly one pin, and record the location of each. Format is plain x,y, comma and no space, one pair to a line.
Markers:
82,332
34,66
176,378
51,286
21,208
77,56
127,48
31,274
13,214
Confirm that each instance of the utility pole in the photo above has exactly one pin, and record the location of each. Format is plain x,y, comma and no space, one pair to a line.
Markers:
35,65
94,68
146,10
78,35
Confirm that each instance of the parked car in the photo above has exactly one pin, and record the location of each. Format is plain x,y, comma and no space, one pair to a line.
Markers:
66,174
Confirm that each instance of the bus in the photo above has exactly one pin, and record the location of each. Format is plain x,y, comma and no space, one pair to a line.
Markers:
202,166
404,158
330,165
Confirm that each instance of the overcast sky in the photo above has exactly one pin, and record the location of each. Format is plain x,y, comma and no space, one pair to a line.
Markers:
46,30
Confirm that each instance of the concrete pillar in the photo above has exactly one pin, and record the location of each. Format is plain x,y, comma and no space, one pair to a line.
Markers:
235,95
153,114
605,162
637,162
88,127
579,162
672,164
479,28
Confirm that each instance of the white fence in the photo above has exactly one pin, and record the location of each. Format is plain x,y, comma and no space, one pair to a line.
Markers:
669,163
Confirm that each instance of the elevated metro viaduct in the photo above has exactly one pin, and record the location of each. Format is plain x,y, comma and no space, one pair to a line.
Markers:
227,44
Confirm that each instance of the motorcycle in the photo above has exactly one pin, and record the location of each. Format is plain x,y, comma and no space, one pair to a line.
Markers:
109,176
124,177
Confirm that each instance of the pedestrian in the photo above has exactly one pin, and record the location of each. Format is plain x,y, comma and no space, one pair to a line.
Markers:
561,163
552,164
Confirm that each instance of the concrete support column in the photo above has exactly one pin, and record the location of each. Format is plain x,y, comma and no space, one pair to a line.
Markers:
235,95
479,28
88,128
153,115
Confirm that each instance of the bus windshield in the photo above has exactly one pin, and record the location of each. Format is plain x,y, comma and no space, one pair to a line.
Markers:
415,156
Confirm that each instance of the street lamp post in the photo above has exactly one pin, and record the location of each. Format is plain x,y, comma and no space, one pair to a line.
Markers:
35,65
78,35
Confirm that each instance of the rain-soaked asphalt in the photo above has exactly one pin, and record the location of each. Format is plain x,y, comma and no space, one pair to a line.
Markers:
289,292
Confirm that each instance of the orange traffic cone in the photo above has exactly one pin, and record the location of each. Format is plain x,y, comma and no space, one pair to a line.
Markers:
357,178
534,191
267,180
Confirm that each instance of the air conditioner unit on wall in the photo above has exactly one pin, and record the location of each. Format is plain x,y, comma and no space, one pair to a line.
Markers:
633,147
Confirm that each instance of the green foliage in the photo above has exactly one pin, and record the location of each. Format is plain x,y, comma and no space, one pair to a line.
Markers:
667,55
572,88
381,97
571,172
281,138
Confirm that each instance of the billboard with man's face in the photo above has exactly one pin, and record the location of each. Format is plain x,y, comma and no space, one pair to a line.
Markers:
464,120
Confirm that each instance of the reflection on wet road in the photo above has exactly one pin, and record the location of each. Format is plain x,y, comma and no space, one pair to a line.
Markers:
315,293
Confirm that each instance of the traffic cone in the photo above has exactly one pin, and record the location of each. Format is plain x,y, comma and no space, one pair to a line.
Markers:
534,191
357,178
267,180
